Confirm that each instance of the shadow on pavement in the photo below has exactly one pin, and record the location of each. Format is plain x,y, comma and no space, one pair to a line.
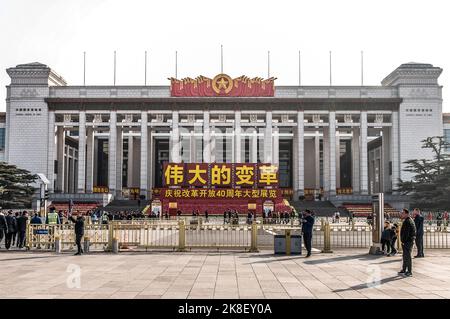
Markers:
365,286
33,257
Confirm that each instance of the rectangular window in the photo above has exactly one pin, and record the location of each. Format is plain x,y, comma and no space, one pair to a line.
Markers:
2,138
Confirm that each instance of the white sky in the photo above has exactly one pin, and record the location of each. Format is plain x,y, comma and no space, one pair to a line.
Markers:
390,32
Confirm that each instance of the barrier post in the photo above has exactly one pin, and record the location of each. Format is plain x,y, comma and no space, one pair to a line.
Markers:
254,238
353,224
110,235
86,244
322,224
57,244
327,238
288,241
181,235
28,234
115,245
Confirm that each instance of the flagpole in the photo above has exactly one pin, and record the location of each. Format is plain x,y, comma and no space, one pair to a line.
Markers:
362,68
330,70
84,68
114,68
268,64
221,59
176,64
299,69
145,71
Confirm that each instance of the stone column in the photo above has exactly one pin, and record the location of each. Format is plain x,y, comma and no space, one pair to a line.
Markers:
144,152
338,160
237,135
51,151
206,138
90,160
112,154
355,160
326,160
363,154
255,146
332,155
395,147
130,161
301,152
81,152
119,161
150,165
60,158
175,151
317,157
268,138
276,146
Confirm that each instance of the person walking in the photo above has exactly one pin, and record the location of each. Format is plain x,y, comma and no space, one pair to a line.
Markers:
79,231
12,228
307,230
22,229
3,227
407,237
418,221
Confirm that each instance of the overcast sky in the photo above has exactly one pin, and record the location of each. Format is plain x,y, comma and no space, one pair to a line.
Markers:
56,33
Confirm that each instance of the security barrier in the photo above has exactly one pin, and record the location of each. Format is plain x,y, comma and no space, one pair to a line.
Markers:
187,234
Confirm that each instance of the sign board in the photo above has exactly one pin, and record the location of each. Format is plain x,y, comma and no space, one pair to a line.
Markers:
377,217
41,232
220,175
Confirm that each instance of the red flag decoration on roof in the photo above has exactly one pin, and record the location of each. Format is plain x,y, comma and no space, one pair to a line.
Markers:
222,85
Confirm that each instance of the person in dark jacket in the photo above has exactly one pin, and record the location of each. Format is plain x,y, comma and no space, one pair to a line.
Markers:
36,220
386,238
307,230
15,241
407,237
393,236
79,231
22,229
3,226
12,228
418,221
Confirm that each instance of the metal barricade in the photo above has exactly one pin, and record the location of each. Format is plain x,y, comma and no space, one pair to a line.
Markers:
218,236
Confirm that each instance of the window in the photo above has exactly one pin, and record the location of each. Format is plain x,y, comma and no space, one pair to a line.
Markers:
2,138
446,138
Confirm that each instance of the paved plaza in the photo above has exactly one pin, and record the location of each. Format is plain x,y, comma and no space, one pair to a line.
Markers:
350,273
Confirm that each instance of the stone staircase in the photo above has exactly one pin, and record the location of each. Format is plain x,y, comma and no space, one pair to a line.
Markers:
118,205
320,208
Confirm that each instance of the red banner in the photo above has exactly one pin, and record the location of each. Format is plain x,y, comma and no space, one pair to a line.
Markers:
222,85
239,175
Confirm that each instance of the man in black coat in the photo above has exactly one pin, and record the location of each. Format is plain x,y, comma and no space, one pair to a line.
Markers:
12,227
79,231
407,237
418,221
307,230
22,229
3,227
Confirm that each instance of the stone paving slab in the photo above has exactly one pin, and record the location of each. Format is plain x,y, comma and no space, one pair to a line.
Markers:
344,274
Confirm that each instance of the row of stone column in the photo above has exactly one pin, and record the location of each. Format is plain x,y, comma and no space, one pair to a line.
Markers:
330,145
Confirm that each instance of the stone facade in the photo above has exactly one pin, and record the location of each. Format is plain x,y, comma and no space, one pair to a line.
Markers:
43,113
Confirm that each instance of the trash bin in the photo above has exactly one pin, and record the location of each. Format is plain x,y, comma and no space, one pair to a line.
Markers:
280,244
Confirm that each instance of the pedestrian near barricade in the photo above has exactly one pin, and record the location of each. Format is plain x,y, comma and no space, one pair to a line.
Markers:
15,240
418,222
439,221
394,234
79,231
12,228
307,230
386,238
3,227
22,229
407,237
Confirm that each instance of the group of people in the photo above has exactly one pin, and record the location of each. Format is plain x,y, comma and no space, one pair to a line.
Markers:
13,228
270,217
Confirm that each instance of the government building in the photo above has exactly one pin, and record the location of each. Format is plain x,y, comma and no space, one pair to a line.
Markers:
104,143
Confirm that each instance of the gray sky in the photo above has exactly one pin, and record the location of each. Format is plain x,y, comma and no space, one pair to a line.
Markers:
390,32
